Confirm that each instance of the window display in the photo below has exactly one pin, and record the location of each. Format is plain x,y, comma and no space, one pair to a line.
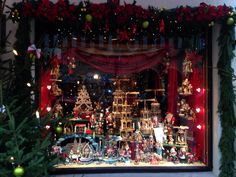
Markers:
117,107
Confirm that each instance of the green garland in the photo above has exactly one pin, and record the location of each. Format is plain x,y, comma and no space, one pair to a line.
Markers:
227,101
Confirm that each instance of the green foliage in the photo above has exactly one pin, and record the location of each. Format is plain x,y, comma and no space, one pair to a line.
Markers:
227,101
25,144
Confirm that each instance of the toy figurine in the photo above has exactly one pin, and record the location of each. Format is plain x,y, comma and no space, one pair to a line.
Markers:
173,155
182,154
186,88
170,139
159,148
151,143
154,159
126,153
187,66
55,72
185,111
57,112
169,119
55,90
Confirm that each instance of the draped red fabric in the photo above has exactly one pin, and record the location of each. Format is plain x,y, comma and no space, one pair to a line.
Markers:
120,64
198,100
172,86
45,98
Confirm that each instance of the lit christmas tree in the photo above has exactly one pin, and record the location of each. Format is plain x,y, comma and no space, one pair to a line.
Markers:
83,103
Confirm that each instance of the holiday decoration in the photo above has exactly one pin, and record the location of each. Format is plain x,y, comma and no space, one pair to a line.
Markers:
145,24
88,17
230,21
19,171
187,66
130,130
59,129
55,13
186,88
83,103
34,51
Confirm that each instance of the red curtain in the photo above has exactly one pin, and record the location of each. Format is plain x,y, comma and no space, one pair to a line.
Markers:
120,64
172,86
198,100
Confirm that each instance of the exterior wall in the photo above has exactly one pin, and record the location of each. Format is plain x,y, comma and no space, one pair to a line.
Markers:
172,4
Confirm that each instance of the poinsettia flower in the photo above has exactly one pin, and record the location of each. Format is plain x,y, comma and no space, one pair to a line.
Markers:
184,13
27,9
63,9
123,36
45,9
99,11
222,10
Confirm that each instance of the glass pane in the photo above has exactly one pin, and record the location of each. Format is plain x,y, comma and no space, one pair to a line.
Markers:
129,105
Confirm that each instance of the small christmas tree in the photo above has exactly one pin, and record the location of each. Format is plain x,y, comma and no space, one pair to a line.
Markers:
23,150
83,103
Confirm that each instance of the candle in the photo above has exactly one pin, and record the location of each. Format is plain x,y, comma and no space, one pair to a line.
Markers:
85,128
100,143
94,134
133,125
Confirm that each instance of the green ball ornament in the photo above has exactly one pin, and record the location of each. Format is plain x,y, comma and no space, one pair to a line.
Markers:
88,18
230,21
19,171
145,24
58,129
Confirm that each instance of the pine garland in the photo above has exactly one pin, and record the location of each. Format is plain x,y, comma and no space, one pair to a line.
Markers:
227,101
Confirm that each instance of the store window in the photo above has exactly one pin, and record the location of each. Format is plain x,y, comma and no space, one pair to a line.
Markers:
138,105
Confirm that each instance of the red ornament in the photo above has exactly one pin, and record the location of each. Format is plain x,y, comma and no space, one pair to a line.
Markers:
162,26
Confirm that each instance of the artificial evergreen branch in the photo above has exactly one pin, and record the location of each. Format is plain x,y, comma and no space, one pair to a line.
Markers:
227,101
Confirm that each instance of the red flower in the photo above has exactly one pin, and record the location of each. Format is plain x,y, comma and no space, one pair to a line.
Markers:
27,9
184,13
63,9
45,9
123,36
222,11
99,11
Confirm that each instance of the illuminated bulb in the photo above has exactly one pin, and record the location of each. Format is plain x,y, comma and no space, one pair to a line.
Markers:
37,114
60,123
48,108
15,52
95,76
12,158
198,90
47,127
28,84
198,110
199,127
49,87
78,82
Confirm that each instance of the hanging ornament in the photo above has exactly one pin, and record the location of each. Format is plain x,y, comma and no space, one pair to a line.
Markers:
145,24
58,129
230,21
88,17
33,51
162,26
19,171
15,15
